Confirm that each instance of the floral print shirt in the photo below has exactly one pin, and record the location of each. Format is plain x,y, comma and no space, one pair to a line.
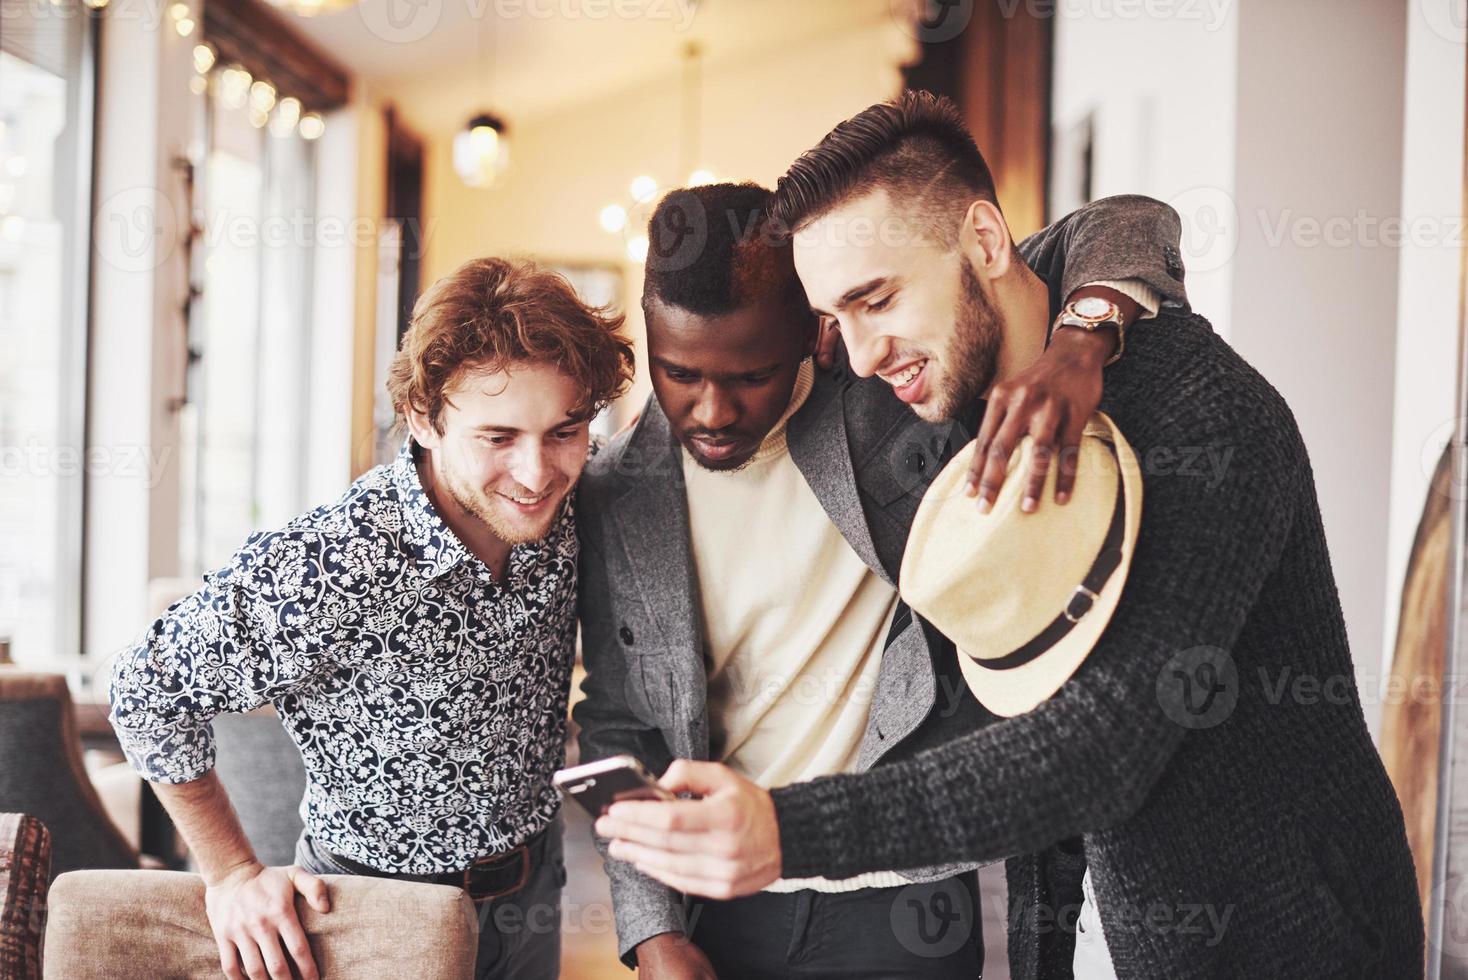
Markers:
428,701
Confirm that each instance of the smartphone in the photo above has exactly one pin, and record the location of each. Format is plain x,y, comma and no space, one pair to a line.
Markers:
597,785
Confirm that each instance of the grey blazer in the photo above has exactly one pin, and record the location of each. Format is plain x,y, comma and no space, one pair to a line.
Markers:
868,459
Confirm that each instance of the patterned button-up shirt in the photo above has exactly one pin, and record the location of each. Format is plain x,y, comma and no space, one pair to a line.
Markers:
428,701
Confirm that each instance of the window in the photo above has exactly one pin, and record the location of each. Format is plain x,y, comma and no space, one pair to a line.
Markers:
245,426
46,103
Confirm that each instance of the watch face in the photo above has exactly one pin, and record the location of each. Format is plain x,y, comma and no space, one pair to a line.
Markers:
1092,307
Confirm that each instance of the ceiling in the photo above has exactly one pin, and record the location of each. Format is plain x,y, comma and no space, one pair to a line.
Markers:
435,59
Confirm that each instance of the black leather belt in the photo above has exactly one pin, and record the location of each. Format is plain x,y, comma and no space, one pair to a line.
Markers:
489,877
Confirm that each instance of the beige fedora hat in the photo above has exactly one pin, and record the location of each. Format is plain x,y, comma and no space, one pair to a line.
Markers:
1026,596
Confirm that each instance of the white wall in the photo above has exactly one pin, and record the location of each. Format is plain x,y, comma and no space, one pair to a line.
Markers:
1427,302
1161,90
1319,166
761,113
1270,126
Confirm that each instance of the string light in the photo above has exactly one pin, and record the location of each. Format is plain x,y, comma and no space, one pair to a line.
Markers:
262,96
287,114
234,86
183,22
613,218
643,188
237,88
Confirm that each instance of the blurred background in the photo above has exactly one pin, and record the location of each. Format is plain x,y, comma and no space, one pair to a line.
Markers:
215,216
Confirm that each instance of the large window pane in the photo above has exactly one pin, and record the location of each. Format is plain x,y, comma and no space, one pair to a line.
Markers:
244,429
45,148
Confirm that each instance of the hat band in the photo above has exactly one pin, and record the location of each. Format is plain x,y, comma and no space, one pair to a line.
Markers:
1085,595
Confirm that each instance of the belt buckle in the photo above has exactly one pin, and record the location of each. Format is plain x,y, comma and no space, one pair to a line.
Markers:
523,852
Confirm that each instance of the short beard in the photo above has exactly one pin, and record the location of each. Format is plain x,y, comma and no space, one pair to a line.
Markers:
510,534
972,357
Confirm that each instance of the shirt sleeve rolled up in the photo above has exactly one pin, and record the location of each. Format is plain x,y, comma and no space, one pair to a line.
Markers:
225,648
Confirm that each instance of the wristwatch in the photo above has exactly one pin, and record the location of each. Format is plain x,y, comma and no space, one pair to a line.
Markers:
1092,313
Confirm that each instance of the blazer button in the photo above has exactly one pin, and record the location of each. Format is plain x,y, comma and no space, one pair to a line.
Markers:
625,634
915,462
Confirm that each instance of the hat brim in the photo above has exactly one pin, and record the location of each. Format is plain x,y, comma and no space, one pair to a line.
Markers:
1017,690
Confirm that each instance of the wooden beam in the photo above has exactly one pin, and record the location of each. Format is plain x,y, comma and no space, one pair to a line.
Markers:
254,35
998,70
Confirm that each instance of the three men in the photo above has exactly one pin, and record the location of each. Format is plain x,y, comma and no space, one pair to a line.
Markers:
1272,817
416,638
740,552
738,598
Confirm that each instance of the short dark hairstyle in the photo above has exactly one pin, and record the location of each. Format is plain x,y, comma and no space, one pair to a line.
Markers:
712,249
915,147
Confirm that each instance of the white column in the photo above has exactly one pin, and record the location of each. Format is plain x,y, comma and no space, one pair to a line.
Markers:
139,282
1318,174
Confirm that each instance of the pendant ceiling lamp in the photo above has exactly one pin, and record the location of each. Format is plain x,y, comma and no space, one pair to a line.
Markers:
482,147
481,150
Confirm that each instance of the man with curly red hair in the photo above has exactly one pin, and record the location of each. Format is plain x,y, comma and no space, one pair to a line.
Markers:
416,638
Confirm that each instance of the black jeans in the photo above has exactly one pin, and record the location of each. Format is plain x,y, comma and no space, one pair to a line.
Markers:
519,933
929,931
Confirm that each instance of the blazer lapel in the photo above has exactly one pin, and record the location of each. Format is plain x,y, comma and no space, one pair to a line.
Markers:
651,516
819,446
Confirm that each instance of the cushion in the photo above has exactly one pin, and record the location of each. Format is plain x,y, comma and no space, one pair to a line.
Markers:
150,925
25,868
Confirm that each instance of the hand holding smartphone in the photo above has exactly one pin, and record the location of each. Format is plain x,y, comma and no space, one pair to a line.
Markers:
597,785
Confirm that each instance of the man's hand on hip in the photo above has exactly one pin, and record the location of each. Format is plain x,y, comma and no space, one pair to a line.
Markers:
672,956
252,911
722,846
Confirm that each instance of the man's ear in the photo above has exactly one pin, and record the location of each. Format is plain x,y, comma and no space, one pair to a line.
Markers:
985,241
422,430
811,326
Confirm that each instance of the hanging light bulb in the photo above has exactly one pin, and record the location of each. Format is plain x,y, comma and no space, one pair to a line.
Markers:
310,8
613,218
287,114
637,248
312,126
701,177
643,188
234,86
204,57
183,20
481,150
262,96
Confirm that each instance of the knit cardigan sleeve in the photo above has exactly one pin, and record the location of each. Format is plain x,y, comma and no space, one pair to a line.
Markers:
1086,759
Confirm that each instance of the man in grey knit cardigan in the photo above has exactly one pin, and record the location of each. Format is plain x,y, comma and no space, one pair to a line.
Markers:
1232,824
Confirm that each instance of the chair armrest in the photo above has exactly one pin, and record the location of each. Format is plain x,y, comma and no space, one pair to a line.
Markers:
25,871
138,925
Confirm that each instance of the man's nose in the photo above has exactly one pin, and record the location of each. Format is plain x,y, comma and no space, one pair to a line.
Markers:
532,468
714,409
864,350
